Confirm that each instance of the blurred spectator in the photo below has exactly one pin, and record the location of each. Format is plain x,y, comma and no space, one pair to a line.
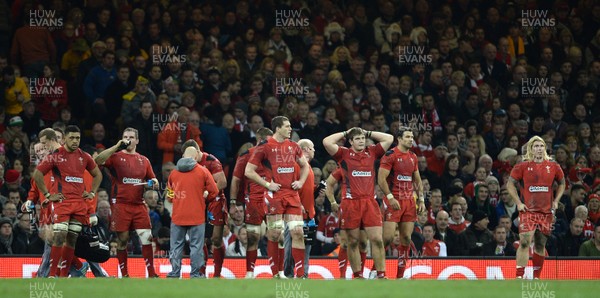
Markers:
499,246
97,82
32,47
432,247
594,208
12,182
581,212
9,244
457,222
472,240
237,219
325,234
591,247
159,215
25,233
48,103
131,102
569,242
239,246
175,133
443,233
576,198
509,226
15,92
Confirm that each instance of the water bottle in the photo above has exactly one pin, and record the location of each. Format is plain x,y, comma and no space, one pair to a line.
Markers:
150,183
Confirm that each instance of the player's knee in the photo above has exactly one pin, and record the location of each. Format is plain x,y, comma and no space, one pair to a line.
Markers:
524,244
217,241
276,225
75,227
405,239
145,236
353,243
253,230
60,228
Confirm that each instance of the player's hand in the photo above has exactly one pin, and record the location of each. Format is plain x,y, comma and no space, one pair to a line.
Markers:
155,184
421,207
87,195
275,186
335,207
521,207
57,197
27,207
395,204
205,194
93,220
296,185
554,205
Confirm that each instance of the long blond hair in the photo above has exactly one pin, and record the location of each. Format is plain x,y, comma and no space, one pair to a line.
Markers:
528,156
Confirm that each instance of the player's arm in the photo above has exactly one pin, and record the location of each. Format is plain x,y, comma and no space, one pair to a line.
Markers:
234,189
97,179
220,180
210,186
251,174
382,176
559,193
304,170
38,178
511,187
418,185
331,141
385,139
104,155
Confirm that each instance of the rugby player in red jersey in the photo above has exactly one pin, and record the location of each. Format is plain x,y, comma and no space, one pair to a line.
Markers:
401,212
536,174
254,197
129,171
332,182
279,156
360,208
71,211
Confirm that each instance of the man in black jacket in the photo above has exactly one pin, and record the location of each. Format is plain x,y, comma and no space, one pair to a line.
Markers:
499,246
570,241
444,234
9,245
472,240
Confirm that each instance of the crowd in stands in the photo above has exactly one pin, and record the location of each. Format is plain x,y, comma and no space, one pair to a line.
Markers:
217,71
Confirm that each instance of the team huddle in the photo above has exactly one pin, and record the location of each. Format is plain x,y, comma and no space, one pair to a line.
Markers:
274,183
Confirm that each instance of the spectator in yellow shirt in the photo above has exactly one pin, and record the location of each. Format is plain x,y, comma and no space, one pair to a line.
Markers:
15,92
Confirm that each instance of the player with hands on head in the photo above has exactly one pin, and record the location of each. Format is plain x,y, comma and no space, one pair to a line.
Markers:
359,207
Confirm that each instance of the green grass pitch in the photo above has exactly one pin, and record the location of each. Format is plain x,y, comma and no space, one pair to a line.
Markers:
143,288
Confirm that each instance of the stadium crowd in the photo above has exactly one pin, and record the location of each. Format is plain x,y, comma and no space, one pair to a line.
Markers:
219,71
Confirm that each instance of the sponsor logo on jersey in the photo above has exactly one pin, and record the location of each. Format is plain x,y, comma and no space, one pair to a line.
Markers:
131,180
285,170
404,178
534,188
356,173
72,179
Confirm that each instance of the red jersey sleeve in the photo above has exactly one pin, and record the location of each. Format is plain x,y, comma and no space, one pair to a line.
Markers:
416,169
240,165
47,163
377,150
517,172
149,171
109,161
258,155
90,164
340,153
214,165
387,161
337,174
560,175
